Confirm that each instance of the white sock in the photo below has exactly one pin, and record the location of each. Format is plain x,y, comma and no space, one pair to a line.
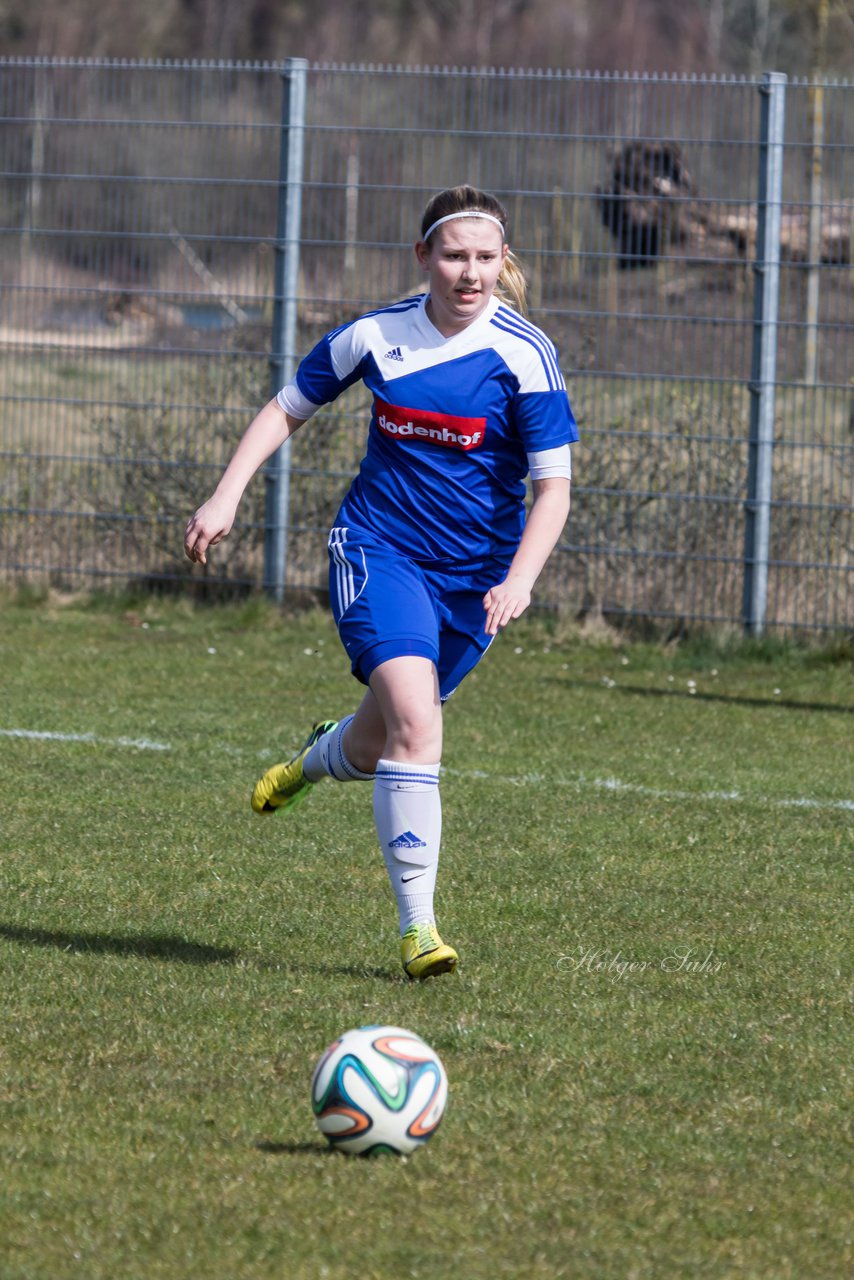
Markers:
327,758
408,814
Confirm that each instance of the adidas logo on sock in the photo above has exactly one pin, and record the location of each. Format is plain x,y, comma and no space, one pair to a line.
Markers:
407,840
394,354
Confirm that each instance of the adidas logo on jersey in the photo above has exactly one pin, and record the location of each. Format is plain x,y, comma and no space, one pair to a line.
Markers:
394,354
407,840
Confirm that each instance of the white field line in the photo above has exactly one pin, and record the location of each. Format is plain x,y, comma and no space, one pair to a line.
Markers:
578,782
141,744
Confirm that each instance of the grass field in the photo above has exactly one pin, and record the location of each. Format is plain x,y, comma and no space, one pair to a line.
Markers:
646,871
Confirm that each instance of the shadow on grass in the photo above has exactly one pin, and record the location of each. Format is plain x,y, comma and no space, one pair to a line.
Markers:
142,946
166,947
356,971
732,699
295,1148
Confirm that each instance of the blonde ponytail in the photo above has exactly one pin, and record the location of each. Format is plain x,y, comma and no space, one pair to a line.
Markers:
512,285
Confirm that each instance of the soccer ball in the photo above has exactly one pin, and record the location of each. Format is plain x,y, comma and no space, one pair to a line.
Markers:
378,1089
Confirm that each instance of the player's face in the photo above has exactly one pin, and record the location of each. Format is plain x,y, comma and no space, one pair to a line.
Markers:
463,262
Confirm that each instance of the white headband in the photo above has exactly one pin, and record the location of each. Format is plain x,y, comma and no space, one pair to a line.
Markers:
468,213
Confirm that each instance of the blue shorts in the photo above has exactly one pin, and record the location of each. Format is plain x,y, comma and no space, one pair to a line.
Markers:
388,606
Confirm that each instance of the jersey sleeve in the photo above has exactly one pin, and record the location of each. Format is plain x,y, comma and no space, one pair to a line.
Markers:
544,420
335,363
540,406
542,410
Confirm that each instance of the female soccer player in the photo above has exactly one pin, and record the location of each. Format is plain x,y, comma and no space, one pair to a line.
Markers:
430,554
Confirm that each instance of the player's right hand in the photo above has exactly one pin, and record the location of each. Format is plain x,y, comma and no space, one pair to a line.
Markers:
206,527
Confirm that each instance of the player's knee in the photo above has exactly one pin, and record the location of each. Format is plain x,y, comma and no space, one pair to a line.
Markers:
417,735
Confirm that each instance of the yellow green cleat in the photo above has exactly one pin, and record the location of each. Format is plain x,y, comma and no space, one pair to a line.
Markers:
424,953
285,785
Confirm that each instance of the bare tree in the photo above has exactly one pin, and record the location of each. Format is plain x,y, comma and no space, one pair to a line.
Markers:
662,35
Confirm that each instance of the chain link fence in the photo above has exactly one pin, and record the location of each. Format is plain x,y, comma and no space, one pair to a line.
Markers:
175,236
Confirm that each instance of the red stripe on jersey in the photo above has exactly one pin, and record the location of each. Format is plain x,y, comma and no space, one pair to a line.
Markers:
397,423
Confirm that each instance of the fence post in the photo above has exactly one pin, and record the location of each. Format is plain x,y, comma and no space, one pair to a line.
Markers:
814,234
763,372
277,472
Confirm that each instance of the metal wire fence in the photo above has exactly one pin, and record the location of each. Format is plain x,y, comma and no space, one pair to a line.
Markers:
174,236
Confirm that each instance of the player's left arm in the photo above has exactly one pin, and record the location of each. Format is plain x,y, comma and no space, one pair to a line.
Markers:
546,519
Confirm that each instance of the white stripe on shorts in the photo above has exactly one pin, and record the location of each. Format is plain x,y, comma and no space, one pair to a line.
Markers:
343,572
344,580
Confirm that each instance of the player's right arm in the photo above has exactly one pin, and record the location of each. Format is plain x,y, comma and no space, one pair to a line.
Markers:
331,366
214,518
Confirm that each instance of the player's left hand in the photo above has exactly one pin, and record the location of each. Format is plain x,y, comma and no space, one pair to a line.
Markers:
507,600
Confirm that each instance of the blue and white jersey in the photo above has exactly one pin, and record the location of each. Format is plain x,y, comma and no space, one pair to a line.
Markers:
454,424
